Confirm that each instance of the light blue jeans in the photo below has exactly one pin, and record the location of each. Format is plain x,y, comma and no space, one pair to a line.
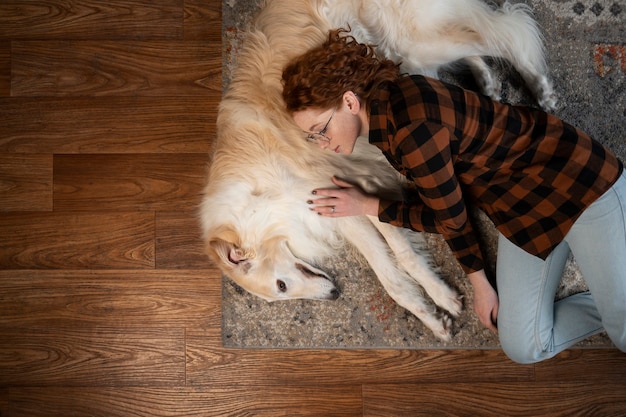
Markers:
531,326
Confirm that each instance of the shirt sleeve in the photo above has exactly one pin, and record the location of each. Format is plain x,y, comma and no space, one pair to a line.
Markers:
437,205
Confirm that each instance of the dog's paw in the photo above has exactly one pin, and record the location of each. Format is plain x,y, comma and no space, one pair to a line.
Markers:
489,84
438,323
544,92
492,88
485,77
548,102
447,298
454,305
444,333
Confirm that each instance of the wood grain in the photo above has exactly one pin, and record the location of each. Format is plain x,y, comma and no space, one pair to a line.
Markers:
112,125
77,240
207,365
4,401
91,356
5,68
601,367
128,182
79,19
272,401
503,399
178,241
26,182
119,298
122,68
203,20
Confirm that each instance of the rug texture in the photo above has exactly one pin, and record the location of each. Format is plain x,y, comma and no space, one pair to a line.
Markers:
586,49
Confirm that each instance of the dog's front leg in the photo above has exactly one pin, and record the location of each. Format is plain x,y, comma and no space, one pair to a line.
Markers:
398,284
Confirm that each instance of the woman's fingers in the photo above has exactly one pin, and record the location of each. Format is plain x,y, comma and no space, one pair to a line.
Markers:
347,200
324,206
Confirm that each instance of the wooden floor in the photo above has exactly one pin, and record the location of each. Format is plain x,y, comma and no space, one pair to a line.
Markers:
107,304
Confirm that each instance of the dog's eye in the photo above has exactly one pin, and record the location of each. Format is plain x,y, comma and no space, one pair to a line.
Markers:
282,287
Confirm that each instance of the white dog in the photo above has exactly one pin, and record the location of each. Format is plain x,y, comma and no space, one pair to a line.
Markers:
256,222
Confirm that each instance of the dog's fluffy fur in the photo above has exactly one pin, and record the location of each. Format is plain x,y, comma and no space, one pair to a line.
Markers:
426,35
256,223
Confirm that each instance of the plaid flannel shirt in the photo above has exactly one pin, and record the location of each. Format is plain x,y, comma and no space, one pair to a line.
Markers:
529,171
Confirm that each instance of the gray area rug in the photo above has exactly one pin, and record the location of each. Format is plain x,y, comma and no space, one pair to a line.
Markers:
586,44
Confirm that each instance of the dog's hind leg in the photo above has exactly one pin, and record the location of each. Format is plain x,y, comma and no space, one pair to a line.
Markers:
540,86
400,286
418,267
484,76
513,34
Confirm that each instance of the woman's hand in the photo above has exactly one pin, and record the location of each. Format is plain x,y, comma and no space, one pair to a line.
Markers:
347,200
485,300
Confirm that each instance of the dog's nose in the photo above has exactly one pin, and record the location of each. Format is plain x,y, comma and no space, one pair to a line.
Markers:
334,294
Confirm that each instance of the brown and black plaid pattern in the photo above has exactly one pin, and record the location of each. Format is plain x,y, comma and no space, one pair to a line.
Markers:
532,173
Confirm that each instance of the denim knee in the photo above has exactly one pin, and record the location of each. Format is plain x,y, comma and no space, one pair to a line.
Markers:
521,351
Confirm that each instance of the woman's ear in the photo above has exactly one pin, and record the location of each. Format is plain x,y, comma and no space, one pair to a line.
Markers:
352,102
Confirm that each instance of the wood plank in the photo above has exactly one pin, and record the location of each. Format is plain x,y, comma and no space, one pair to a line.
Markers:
77,240
203,20
607,365
328,401
179,243
26,182
122,68
4,401
80,19
5,69
111,125
120,298
566,399
91,356
207,365
141,182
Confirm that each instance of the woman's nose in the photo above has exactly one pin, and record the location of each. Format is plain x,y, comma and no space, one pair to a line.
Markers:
324,144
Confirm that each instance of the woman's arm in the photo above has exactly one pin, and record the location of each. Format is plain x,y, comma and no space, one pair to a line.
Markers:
350,200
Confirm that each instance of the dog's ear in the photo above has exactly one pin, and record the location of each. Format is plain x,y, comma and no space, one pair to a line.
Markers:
225,249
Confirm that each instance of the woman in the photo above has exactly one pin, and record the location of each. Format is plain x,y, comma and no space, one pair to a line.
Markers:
547,186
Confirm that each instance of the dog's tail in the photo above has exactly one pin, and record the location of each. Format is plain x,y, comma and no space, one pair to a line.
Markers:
511,32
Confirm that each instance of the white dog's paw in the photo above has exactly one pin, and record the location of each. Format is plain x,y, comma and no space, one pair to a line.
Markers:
444,331
548,102
446,298
438,323
454,305
485,77
544,92
491,87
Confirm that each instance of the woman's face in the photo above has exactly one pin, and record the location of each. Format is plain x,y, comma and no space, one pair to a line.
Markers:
335,129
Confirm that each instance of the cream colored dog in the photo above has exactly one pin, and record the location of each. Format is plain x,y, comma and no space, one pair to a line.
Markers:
256,223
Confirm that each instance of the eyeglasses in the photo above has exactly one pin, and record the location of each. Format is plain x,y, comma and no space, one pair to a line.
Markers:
316,137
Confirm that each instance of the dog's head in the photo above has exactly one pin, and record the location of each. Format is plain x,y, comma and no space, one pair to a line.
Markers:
269,271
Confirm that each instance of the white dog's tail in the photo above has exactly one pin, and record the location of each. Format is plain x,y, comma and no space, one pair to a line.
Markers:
511,32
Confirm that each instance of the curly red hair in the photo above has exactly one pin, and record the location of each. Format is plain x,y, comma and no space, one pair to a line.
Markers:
320,77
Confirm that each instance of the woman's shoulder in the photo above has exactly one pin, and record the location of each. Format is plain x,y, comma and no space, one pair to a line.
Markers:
418,88
417,81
